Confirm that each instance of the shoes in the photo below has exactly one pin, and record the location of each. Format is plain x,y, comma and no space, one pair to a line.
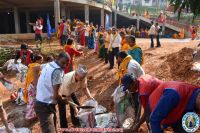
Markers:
110,68
158,46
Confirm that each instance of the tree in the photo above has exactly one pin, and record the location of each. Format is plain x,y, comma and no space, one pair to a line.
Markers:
188,5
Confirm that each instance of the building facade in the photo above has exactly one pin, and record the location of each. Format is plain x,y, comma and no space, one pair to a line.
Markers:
17,14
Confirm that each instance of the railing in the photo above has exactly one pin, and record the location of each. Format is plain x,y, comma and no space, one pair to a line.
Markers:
177,23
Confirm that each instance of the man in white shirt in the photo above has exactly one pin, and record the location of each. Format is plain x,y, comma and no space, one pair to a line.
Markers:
72,82
86,31
114,47
129,65
47,94
152,32
158,31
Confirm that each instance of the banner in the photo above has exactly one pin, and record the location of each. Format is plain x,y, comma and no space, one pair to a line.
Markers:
107,22
48,27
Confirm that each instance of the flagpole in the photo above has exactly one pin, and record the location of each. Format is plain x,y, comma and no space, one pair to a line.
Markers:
49,31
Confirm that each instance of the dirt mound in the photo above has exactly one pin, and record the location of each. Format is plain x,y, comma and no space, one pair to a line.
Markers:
177,66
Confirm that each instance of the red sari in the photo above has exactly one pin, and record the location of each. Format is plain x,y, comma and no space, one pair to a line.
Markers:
82,36
72,52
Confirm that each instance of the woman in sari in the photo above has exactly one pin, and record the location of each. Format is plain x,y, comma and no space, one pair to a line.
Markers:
101,36
31,81
124,44
69,48
82,34
91,36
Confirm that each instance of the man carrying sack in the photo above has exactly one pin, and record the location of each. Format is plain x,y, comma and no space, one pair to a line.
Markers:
72,82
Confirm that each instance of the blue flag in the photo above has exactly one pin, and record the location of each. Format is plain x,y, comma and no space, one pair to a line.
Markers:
48,27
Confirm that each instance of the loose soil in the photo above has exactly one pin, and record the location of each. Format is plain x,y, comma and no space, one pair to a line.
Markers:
170,62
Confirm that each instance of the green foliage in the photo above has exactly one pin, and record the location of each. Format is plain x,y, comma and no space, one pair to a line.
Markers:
192,5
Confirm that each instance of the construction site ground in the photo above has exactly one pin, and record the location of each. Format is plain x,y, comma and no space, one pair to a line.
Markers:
172,61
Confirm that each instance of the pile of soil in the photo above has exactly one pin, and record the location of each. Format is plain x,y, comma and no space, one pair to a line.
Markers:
177,66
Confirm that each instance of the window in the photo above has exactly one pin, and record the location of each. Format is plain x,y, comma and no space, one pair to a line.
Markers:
146,1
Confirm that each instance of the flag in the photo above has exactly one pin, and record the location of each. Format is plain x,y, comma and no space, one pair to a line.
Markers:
108,25
48,27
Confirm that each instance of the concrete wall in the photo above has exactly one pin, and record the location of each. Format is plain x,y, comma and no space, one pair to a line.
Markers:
144,3
26,36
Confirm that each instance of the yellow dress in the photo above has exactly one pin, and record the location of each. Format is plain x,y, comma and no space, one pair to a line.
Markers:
123,68
124,45
29,79
107,40
181,34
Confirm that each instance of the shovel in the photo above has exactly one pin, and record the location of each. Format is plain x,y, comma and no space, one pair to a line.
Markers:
82,107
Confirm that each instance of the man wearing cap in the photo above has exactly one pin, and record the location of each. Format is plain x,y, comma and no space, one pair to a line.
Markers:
72,82
114,47
141,87
134,50
25,54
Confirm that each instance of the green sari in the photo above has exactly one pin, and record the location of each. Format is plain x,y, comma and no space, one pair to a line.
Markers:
101,46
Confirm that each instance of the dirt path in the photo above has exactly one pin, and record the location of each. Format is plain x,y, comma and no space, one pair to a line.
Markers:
102,81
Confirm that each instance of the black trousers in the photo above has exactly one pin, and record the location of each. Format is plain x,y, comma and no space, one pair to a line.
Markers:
47,116
178,128
62,113
112,54
158,40
152,42
63,40
38,37
135,97
106,55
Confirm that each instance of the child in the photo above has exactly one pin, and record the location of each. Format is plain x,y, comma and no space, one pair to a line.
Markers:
72,52
31,81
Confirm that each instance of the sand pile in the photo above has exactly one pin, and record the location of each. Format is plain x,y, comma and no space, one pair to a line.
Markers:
177,66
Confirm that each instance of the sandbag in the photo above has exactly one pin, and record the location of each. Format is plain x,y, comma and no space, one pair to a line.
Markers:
18,96
196,66
87,119
123,106
108,120
118,95
19,68
100,110
87,116
14,130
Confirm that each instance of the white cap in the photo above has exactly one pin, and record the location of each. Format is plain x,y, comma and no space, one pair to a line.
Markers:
82,70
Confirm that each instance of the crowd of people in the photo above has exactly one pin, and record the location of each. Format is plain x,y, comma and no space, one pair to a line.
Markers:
55,81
